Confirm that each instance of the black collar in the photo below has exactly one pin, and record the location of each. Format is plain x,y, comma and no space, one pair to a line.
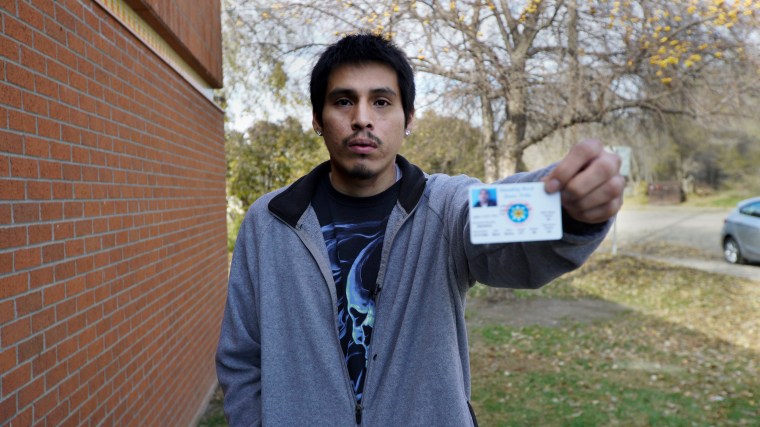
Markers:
292,202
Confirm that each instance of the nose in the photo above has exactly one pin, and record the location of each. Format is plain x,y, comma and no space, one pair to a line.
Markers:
362,117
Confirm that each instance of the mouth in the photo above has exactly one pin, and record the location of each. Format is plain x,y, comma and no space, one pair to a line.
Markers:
362,145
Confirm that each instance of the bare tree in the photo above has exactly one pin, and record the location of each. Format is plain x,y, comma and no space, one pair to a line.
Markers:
531,68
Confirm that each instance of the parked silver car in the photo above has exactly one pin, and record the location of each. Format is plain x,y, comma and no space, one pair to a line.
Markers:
741,233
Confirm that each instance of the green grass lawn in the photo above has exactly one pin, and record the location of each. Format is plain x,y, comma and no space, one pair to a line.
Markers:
686,353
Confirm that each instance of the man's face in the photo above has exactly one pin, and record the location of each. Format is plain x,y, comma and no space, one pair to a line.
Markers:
363,126
483,197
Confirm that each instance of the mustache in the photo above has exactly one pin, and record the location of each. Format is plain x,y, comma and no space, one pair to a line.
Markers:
369,135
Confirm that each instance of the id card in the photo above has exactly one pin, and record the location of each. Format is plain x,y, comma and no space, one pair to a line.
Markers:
520,212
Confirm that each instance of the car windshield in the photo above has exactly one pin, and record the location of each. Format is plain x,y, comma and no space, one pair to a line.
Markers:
752,209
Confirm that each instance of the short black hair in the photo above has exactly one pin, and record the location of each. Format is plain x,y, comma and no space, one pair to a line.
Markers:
357,49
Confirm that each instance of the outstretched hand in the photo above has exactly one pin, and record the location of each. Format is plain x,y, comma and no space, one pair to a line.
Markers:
589,181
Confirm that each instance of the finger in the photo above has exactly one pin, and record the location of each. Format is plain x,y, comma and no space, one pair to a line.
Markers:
602,194
575,161
601,170
599,213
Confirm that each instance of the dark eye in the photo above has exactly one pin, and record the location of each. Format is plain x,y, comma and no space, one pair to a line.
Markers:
343,102
382,102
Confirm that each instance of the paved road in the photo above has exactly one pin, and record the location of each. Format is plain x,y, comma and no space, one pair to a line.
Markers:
694,228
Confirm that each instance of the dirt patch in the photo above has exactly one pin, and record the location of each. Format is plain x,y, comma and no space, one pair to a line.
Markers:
549,312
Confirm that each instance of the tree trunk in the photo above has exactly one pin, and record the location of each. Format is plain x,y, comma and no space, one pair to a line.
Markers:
489,142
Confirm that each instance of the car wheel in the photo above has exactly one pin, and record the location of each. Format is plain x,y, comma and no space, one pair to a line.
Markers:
731,251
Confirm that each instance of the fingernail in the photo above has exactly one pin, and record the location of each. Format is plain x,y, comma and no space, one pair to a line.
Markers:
551,186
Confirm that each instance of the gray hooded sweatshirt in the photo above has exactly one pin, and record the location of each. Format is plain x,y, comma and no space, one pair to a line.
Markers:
279,359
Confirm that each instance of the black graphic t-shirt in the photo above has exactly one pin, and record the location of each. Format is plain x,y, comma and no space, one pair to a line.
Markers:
353,229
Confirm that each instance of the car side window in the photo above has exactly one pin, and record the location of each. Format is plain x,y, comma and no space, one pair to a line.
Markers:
752,209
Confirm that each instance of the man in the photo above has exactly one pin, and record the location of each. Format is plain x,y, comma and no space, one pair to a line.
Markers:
484,199
347,289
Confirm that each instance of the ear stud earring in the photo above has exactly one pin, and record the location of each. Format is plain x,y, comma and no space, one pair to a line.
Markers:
319,132
407,132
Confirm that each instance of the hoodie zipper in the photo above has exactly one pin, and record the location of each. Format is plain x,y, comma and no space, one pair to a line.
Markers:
376,296
330,282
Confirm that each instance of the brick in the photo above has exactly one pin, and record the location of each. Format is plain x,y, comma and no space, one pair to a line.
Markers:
45,45
10,95
17,30
11,237
11,190
62,190
6,266
26,212
22,167
85,264
19,76
23,122
67,58
45,86
63,230
89,173
74,248
56,334
5,168
56,71
43,319
11,142
72,210
36,147
52,211
40,233
32,60
69,96
54,294
55,375
31,391
7,358
45,404
50,170
70,133
64,270
8,406
9,48
66,348
60,151
68,387
7,313
48,129
83,228
30,15
45,6
38,190
52,252
35,104
28,303
80,154
40,277
6,216
30,348
55,30
72,172
16,378
14,332
26,258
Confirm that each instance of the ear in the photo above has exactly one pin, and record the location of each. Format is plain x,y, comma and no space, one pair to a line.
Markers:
315,123
409,121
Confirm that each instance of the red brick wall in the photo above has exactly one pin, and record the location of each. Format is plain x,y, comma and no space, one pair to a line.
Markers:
112,225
